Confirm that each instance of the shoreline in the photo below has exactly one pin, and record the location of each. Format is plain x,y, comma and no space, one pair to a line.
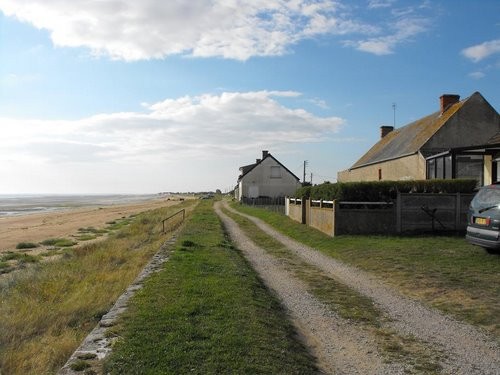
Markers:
65,222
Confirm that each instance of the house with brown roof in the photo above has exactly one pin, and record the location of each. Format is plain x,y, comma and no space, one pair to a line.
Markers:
461,140
266,178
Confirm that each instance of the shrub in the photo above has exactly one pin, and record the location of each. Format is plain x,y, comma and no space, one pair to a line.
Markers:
382,191
59,242
26,245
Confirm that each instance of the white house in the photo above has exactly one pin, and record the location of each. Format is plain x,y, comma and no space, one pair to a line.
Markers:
267,177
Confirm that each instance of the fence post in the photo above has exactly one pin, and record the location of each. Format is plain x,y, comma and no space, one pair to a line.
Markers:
399,209
335,213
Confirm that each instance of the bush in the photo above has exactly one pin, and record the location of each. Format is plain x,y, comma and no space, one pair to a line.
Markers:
383,191
26,245
58,242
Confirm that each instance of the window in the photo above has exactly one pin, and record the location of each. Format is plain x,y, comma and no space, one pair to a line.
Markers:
276,172
431,169
448,170
380,174
440,167
469,166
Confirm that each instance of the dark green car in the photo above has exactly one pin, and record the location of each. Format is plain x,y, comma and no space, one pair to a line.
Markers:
483,218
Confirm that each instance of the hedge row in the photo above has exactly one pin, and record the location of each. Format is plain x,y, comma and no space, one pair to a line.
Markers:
383,191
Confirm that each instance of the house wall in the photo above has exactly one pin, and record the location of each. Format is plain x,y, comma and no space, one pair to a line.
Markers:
260,181
406,168
473,125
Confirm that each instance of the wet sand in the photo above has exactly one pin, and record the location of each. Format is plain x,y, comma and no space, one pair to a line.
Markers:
39,227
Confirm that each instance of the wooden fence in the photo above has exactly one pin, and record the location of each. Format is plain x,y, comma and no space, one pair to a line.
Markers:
409,213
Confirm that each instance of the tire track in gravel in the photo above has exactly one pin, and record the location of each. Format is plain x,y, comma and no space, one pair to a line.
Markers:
340,347
466,349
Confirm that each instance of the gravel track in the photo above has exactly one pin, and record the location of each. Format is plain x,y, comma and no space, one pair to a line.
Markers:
466,350
339,347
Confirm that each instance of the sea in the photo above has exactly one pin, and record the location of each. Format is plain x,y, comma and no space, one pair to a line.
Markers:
26,204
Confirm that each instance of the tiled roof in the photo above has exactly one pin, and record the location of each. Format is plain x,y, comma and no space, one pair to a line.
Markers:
409,139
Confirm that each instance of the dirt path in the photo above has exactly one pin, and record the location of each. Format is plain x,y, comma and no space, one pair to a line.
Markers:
465,349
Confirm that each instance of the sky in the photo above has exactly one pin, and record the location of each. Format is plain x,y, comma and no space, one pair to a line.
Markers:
131,97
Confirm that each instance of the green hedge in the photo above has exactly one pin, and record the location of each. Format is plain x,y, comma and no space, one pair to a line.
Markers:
380,191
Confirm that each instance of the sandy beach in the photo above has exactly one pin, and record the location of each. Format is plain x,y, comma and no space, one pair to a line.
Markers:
38,227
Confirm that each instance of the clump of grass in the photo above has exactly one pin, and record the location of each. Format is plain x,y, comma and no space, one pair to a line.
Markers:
58,242
26,245
86,237
19,257
79,365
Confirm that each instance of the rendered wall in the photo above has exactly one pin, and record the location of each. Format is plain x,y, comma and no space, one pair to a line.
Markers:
407,168
260,183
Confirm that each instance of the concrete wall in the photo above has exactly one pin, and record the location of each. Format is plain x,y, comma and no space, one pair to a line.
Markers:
406,168
410,213
294,210
321,217
260,183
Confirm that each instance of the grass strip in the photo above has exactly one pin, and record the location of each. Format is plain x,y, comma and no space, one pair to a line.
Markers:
49,308
207,312
442,271
346,302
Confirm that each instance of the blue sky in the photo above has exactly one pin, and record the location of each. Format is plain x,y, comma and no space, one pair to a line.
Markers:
125,96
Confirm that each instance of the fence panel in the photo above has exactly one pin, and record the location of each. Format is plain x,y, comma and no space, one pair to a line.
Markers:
271,204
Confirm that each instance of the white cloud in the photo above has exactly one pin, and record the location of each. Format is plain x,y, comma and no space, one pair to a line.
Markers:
193,127
481,51
477,75
136,30
237,29
374,4
402,30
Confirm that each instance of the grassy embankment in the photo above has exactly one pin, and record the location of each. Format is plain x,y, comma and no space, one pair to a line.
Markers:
49,307
207,312
444,272
347,303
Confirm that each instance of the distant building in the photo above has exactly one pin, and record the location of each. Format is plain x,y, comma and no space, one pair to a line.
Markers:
267,177
461,140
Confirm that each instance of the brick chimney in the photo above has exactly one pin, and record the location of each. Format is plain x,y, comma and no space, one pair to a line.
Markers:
446,100
384,130
264,154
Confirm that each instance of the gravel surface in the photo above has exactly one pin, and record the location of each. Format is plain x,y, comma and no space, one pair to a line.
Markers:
341,347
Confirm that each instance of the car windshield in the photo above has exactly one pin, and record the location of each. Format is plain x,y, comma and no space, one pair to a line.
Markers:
486,198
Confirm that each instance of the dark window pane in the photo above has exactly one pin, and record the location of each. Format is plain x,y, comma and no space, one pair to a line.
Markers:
431,169
447,167
439,168
470,166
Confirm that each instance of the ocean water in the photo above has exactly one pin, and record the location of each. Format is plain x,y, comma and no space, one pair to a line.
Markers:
15,205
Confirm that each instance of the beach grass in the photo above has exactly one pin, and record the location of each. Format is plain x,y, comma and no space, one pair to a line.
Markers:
26,245
47,309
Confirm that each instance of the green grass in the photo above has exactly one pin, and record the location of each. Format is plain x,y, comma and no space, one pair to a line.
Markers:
26,245
58,242
347,303
442,271
207,312
48,309
19,257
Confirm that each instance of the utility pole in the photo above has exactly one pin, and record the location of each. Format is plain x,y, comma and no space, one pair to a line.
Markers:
394,110
305,165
